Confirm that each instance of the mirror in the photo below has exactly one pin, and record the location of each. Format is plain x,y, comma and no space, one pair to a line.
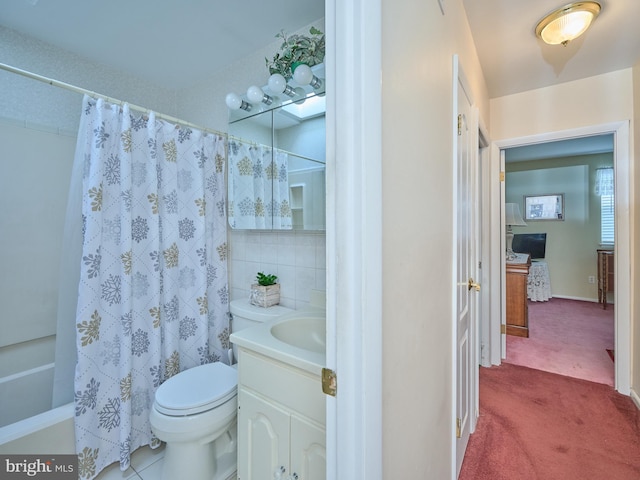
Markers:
277,167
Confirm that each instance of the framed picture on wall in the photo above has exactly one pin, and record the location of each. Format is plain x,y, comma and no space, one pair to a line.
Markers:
544,207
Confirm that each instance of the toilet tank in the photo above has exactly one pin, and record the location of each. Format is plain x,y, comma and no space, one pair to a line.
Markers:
245,315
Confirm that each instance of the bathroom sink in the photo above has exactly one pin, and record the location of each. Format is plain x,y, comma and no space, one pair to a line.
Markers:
305,330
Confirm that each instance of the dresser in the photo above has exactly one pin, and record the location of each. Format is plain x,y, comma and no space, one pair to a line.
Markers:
517,273
605,275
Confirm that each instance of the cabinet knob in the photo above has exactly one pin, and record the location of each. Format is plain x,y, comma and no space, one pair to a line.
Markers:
278,472
293,476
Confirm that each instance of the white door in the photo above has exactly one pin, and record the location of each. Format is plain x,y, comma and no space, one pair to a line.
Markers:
465,270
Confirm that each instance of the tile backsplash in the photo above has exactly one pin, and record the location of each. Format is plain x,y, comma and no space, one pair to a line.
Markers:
297,258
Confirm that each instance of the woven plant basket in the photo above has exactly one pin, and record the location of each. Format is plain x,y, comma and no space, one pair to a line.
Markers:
265,296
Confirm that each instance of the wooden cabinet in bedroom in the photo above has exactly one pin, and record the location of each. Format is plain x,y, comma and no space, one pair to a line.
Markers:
516,291
605,275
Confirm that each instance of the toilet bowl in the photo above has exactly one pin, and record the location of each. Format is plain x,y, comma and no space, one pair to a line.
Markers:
194,412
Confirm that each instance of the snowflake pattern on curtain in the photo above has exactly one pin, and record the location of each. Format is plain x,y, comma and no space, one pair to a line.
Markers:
259,187
153,295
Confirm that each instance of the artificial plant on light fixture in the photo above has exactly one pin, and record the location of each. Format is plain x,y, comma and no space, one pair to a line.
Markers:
297,49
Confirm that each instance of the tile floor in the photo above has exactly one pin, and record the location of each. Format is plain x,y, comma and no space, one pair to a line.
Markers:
146,464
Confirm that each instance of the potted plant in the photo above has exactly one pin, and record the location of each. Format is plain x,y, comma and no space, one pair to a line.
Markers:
295,50
265,292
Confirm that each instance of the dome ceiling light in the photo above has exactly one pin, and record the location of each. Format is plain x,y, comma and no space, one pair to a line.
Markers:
568,22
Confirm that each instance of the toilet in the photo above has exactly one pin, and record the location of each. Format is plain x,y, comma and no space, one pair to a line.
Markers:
194,412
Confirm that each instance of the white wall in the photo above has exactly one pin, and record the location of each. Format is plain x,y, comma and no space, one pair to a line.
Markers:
32,101
597,100
418,44
34,185
590,101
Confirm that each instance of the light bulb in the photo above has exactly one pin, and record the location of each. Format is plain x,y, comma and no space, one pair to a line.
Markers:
256,95
234,102
278,84
304,76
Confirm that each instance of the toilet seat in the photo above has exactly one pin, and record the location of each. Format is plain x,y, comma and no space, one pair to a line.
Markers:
197,390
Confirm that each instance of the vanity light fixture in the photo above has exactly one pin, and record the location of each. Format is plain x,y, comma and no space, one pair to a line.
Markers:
304,76
278,84
567,23
256,95
235,102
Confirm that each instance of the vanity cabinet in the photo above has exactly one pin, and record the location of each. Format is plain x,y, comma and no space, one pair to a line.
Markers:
281,420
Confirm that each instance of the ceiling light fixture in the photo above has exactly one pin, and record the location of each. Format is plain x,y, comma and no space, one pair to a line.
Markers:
567,23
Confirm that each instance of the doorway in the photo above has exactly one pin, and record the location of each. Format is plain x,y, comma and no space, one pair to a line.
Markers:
570,333
620,131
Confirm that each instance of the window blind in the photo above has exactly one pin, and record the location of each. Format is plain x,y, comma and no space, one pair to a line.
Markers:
607,219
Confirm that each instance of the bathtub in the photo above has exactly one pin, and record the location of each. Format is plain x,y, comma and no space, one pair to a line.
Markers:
26,393
48,432
28,425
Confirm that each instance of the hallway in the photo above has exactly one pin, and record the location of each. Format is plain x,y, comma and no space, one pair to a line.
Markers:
536,425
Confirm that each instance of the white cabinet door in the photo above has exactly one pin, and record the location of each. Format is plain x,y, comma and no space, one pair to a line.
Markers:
308,451
263,437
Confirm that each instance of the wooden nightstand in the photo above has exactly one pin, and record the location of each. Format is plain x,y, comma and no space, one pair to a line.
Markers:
516,290
605,275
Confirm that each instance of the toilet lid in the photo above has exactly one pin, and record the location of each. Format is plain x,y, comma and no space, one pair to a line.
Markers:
197,390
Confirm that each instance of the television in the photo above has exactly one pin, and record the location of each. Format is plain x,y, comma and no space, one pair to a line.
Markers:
534,244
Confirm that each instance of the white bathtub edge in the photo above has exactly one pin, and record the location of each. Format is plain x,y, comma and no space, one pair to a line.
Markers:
14,431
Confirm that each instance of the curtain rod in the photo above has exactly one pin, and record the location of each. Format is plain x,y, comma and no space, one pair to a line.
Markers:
73,88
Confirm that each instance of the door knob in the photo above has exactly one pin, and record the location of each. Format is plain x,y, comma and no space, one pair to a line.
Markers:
473,284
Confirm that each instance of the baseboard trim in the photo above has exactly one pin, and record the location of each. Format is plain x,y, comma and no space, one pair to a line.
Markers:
569,297
636,399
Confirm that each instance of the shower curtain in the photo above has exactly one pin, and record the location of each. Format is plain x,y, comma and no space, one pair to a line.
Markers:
153,295
259,193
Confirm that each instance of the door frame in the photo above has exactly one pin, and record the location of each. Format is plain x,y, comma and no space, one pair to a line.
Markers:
354,238
623,204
